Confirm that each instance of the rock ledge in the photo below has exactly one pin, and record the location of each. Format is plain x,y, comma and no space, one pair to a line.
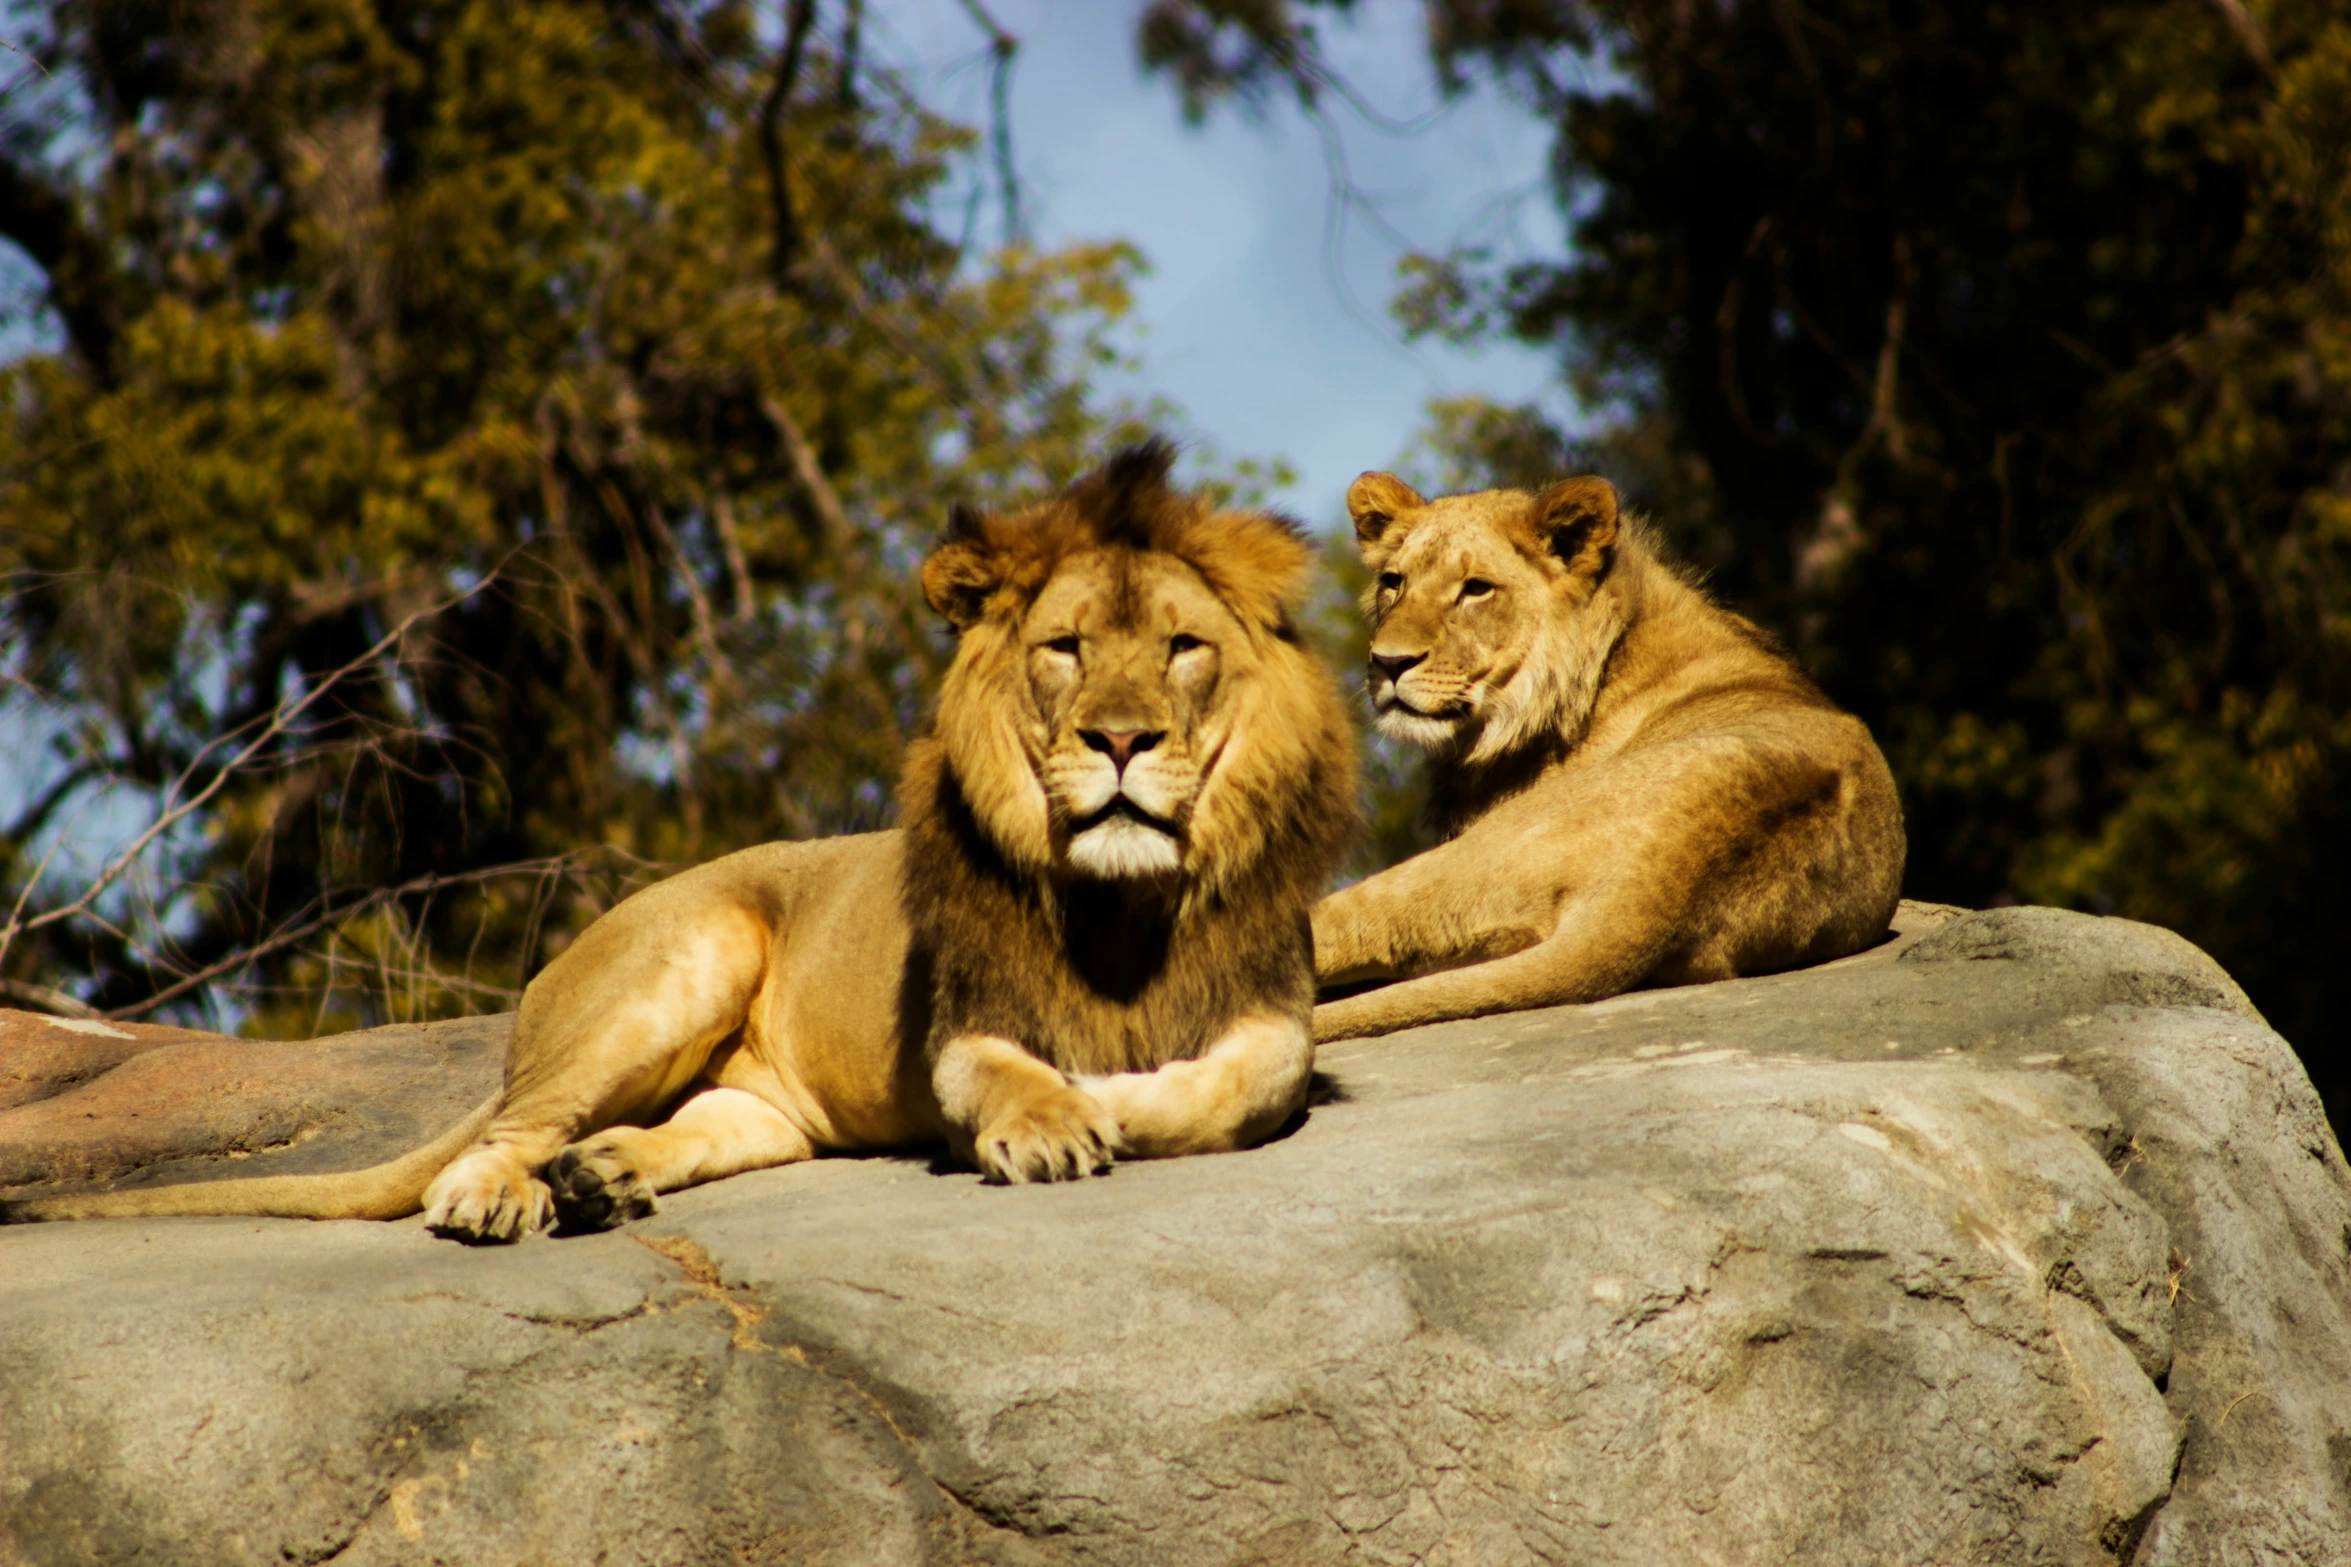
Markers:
2017,1239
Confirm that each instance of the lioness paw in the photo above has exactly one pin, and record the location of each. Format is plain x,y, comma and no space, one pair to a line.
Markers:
1061,1136
597,1188
486,1197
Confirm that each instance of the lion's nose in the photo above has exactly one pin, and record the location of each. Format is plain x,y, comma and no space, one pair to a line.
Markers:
1122,745
1393,665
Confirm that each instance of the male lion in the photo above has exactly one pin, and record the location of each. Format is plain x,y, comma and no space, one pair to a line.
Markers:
1088,935
1638,787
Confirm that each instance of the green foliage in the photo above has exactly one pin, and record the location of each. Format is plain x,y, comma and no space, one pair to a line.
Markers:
461,368
1472,444
2000,358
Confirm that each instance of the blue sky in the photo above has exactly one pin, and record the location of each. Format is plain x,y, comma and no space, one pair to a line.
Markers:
1264,324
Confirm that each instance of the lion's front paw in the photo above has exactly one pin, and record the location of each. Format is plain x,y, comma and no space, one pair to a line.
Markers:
1060,1136
487,1196
597,1188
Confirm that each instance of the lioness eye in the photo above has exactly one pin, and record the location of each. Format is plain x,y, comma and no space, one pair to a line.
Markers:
1183,642
1476,588
1390,581
1067,645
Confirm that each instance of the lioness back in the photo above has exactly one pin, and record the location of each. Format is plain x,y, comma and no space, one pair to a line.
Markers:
1636,786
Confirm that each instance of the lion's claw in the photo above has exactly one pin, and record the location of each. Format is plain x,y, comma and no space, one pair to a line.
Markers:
486,1196
596,1189
1063,1136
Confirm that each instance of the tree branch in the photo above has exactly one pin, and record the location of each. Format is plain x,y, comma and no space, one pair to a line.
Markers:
852,33
840,534
330,914
42,221
797,21
1002,46
36,814
46,998
280,720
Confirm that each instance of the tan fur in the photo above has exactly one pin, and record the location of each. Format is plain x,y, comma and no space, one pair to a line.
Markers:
1089,935
1638,787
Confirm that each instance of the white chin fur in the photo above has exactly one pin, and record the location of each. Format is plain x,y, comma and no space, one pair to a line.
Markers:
1121,848
1430,734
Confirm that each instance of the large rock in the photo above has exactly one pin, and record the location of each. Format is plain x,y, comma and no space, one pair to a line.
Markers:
91,1105
2018,1239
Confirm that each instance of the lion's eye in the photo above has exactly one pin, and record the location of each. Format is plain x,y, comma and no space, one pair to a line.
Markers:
1390,581
1183,642
1068,645
1476,588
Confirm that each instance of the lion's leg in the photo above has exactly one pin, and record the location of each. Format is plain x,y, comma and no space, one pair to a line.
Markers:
1596,955
612,1031
1439,910
611,1177
1017,1118
1236,1094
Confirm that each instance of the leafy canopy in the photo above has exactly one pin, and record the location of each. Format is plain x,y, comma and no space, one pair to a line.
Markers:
2000,357
549,398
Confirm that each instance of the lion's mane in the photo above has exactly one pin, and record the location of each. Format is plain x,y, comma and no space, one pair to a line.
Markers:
1110,977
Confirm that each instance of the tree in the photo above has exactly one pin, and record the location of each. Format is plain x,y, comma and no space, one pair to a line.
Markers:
1997,356
480,457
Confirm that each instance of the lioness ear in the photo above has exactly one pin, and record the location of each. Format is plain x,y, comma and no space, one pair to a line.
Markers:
1373,500
963,571
1577,519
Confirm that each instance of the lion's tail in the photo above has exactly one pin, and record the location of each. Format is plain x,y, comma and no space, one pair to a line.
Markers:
392,1190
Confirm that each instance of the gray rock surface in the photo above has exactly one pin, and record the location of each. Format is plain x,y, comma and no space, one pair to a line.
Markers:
2017,1239
87,1105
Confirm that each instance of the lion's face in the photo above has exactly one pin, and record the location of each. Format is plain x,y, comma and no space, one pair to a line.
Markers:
1125,659
1476,602
1128,700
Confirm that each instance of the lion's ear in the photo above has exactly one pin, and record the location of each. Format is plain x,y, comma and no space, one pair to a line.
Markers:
963,572
1373,500
1577,519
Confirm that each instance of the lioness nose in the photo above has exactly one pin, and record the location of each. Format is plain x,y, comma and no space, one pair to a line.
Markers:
1121,745
1393,665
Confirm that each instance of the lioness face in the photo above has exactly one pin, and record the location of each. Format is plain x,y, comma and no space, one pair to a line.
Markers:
1469,597
1125,653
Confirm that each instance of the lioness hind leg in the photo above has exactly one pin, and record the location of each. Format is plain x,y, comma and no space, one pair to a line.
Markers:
612,1177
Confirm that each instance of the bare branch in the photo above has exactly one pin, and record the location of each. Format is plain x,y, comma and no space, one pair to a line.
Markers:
797,21
1002,47
839,533
852,32
2248,33
730,541
950,384
37,813
722,668
21,54
42,220
177,810
47,999
336,916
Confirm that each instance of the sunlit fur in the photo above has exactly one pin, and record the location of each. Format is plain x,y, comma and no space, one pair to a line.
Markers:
1119,850
1637,787
1011,973
1121,606
1232,777
1521,663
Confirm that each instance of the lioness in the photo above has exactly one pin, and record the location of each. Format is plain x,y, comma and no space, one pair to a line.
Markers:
1638,787
1087,937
